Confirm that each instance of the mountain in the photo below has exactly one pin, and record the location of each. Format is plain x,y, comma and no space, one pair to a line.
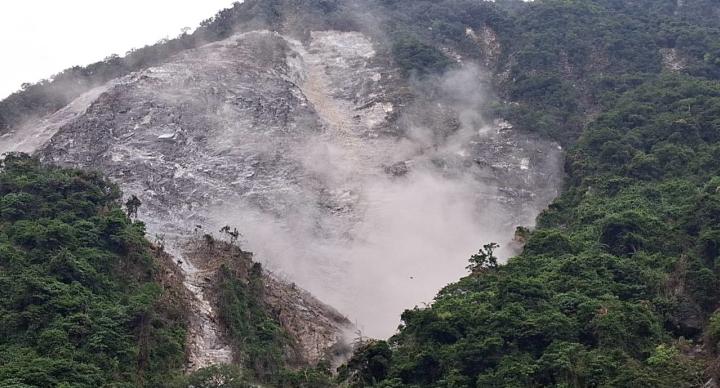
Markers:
363,151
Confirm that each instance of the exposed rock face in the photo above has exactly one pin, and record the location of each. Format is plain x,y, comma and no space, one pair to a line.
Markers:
317,330
488,41
291,141
207,344
37,132
672,61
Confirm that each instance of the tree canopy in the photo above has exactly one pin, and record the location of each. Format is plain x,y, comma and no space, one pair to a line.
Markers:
81,302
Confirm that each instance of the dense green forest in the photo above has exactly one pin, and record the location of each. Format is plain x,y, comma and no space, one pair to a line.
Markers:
82,299
618,284
87,301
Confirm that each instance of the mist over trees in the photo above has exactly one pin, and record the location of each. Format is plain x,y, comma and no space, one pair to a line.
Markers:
618,281
616,286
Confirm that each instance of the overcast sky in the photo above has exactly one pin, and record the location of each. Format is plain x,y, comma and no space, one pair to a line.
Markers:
39,38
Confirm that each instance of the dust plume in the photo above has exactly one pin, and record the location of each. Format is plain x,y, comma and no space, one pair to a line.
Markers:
384,223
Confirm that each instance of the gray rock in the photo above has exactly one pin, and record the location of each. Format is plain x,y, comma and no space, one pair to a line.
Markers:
287,141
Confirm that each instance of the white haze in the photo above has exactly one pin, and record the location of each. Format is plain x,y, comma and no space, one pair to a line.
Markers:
405,237
40,38
364,241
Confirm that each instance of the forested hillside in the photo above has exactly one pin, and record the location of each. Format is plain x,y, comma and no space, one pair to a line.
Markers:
84,300
87,301
617,286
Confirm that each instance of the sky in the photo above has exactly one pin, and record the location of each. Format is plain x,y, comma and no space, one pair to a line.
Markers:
40,38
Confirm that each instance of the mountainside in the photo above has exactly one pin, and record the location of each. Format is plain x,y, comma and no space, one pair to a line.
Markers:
364,151
85,300
88,301
304,148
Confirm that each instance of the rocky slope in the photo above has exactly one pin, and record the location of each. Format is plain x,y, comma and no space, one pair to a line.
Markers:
317,331
343,178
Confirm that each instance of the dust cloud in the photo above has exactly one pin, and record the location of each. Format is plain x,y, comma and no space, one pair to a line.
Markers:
384,231
367,190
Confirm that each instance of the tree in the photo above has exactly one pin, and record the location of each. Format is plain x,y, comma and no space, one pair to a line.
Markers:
233,233
132,205
485,258
80,300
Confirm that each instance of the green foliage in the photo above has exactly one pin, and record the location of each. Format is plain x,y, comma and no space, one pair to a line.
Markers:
369,365
255,334
713,330
575,57
216,376
663,355
79,305
415,57
621,267
319,376
484,258
599,297
262,346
